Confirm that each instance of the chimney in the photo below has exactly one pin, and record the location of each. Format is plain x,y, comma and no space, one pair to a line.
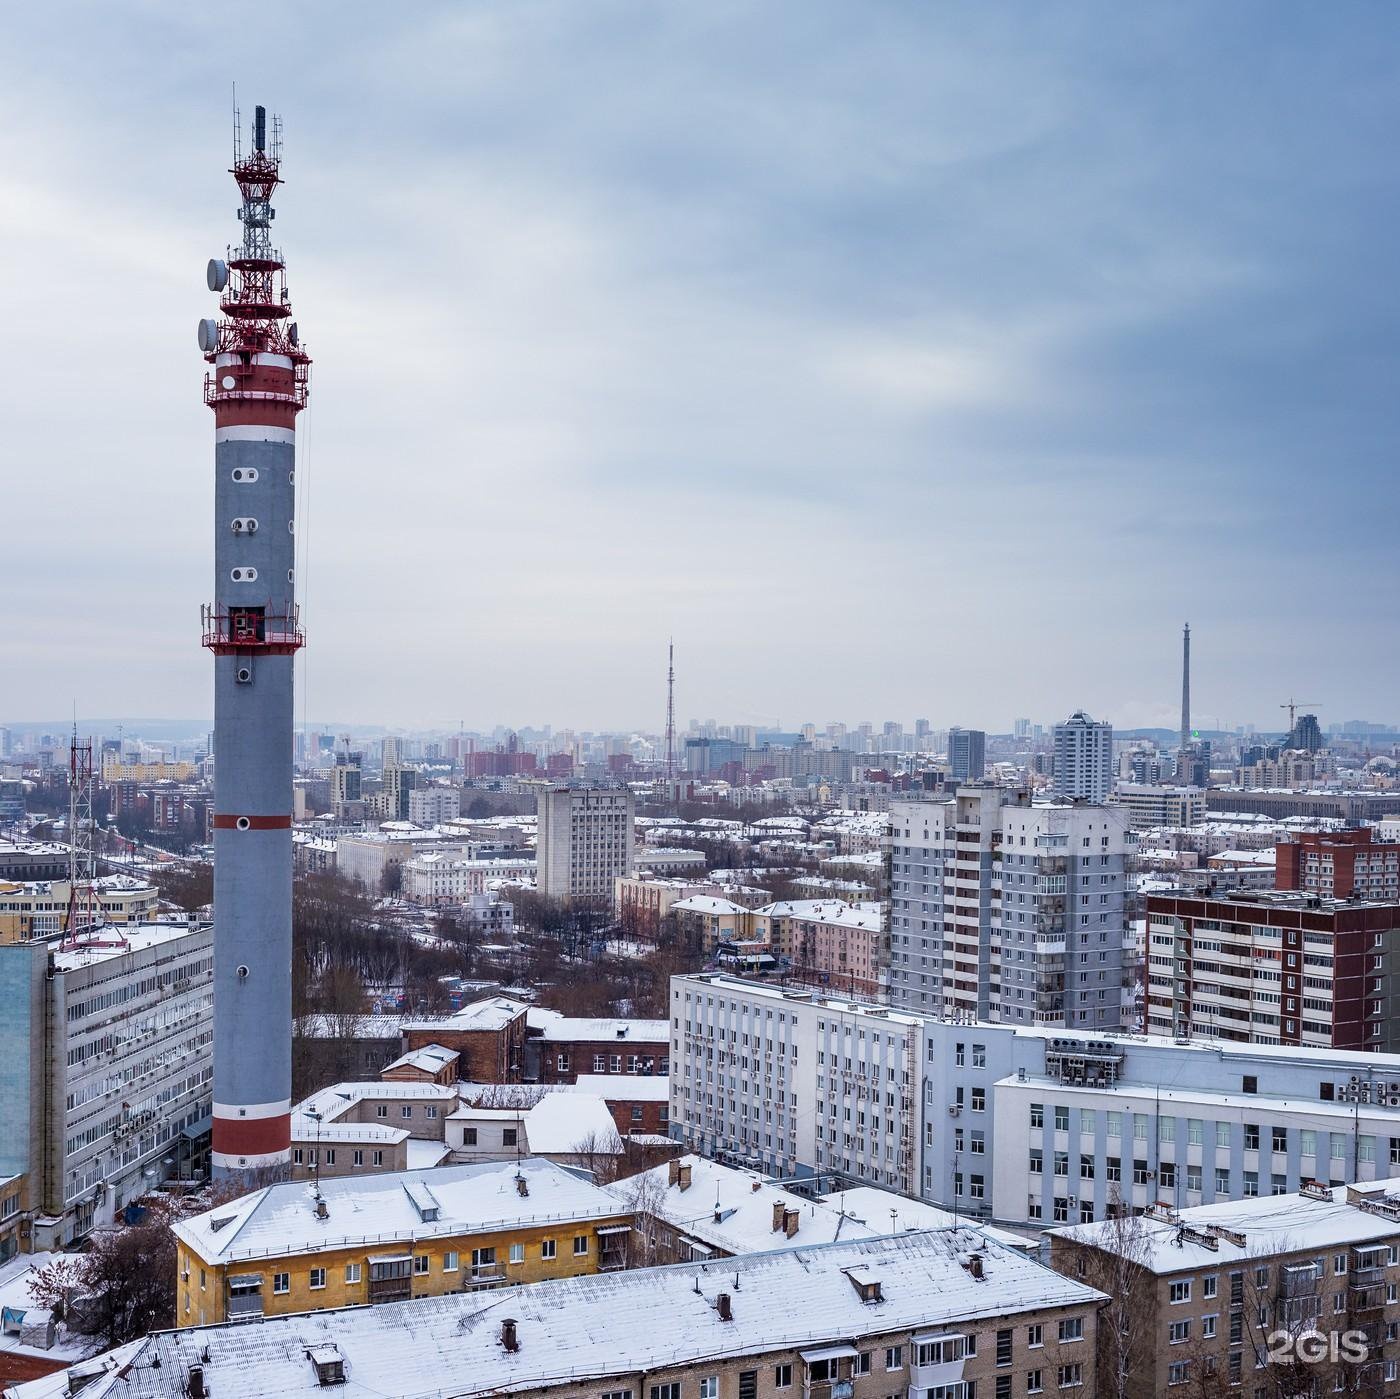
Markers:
724,1307
791,1219
779,1212
974,1265
509,1341
683,1176
322,1212
673,1170
522,1186
195,1388
755,1186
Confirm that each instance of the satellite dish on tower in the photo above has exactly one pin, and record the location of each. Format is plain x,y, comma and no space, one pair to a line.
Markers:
217,274
208,336
292,333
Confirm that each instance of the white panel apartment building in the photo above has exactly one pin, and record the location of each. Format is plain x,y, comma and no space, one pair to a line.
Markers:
584,841
1004,910
790,1082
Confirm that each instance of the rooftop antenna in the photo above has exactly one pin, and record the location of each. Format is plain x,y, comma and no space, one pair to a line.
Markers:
82,861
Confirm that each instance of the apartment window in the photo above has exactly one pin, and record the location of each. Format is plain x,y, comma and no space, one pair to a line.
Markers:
1004,1347
1251,1136
509,1135
431,1112
1115,1123
1222,1136
468,1136
666,1391
517,1253
1209,1287
406,1110
709,1387
862,1365
894,1357
357,1158
600,1063
1070,1376
377,1159
580,1245
1035,1383
1279,1138
451,1261
352,1273
1037,1163
1179,1371
281,1284
1208,1327
1250,1083
1035,1335
548,1248
381,1110
420,1263
1179,1291
979,1100
1072,1328
1179,1332
782,1379
297,1156
1061,1119
318,1279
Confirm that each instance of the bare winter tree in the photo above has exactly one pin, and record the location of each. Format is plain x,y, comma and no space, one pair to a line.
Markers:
597,1153
652,1240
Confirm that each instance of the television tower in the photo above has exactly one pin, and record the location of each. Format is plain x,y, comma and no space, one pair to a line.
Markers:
670,712
257,384
1186,685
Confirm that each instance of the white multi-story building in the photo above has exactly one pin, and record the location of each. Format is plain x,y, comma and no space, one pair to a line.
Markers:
1150,806
444,877
584,840
431,806
105,1069
793,1082
1017,1124
1083,758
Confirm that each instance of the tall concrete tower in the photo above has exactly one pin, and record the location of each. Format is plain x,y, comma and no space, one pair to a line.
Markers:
257,384
1186,685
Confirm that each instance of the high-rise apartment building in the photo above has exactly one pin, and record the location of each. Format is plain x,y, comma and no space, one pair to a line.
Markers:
1339,864
1083,759
584,840
431,806
1275,967
967,754
346,785
1063,922
1000,911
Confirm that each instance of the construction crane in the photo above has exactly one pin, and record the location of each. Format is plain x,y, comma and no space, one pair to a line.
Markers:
1292,706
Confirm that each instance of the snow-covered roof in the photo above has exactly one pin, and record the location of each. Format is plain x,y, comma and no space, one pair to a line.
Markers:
493,1013
120,939
625,1088
1270,1224
561,1123
575,1329
708,904
572,1028
280,1220
830,911
431,1059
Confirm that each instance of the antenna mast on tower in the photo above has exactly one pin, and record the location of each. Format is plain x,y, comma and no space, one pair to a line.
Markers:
670,711
82,917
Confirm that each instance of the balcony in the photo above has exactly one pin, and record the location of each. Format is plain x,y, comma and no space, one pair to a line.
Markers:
243,630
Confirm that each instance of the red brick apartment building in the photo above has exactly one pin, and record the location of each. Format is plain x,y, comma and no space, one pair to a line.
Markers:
1339,864
1275,967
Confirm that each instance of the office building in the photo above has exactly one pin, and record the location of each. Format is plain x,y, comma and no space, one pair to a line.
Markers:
584,841
794,1082
967,754
1083,759
105,1070
1148,806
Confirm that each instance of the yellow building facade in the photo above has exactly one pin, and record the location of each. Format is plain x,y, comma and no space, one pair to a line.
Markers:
282,1256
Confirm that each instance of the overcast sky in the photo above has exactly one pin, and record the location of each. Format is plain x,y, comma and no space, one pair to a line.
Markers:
900,360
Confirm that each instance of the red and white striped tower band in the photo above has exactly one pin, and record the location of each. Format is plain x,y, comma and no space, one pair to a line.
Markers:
257,384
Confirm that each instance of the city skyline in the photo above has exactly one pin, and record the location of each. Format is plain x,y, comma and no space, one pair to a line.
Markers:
626,321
